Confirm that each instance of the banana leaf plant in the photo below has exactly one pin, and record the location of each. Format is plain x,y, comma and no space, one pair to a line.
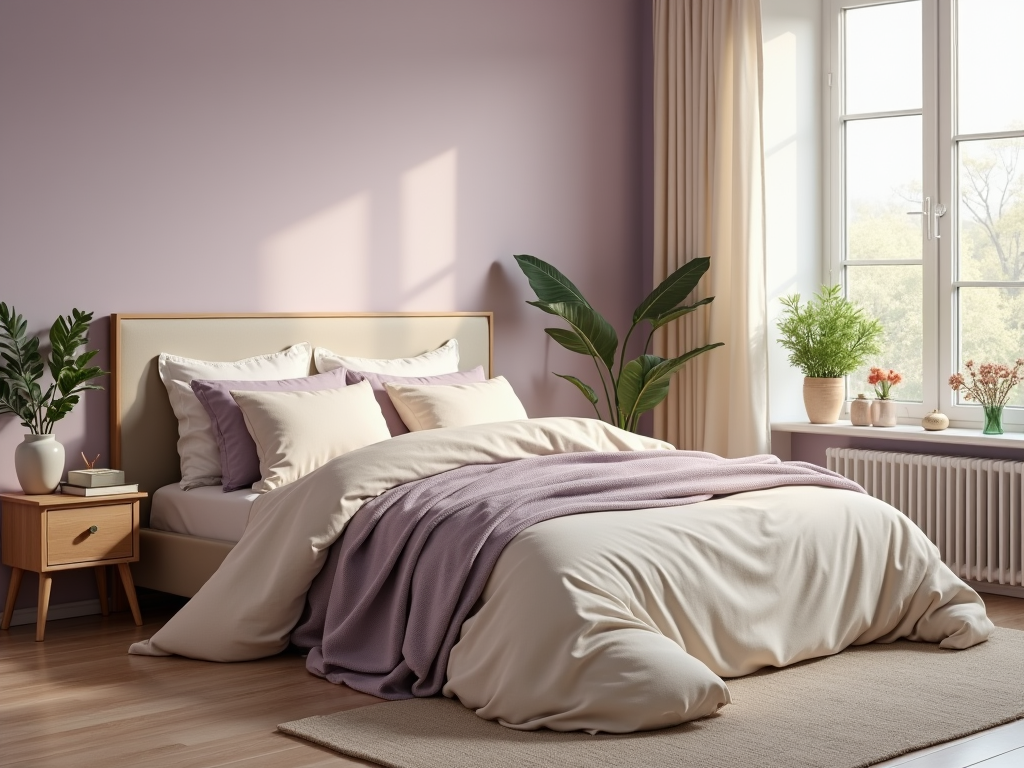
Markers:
22,368
642,383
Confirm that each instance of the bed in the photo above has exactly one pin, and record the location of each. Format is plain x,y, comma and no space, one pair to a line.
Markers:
143,431
457,561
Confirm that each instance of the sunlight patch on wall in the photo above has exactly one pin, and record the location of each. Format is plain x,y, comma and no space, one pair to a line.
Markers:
781,201
321,263
426,278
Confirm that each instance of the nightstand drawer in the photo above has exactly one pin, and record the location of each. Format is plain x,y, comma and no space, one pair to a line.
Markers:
69,539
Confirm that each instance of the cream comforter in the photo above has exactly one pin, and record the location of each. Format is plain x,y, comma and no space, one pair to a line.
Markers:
606,621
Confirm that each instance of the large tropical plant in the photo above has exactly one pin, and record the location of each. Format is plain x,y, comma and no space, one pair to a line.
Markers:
23,366
642,383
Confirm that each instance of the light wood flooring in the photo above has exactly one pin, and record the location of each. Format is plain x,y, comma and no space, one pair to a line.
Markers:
77,699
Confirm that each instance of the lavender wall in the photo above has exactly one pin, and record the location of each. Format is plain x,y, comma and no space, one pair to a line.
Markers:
304,155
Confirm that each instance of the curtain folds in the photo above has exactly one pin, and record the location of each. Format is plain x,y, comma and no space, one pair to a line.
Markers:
709,201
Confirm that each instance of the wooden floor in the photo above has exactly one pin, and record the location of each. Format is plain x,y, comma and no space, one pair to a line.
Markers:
77,699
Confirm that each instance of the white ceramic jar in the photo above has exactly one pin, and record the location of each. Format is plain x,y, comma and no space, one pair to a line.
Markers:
39,464
860,412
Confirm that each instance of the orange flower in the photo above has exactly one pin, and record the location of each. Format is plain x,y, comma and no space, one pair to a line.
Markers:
883,381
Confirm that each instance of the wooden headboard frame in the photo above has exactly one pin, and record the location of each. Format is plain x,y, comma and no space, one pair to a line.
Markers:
143,430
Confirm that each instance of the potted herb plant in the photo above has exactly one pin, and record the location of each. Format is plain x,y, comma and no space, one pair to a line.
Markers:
642,383
828,338
39,460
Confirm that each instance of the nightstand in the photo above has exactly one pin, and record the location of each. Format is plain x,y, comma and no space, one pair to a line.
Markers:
58,533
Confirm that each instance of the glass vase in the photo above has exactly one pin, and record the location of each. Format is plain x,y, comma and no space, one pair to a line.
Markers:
993,420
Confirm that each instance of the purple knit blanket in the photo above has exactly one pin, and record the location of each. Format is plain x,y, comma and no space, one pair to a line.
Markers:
387,607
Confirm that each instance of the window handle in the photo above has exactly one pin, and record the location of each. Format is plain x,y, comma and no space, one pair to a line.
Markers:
940,211
927,213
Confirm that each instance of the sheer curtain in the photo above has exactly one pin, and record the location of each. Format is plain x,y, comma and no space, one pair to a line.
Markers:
709,201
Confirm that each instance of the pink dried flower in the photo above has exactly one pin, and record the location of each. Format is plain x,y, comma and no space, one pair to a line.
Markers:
990,385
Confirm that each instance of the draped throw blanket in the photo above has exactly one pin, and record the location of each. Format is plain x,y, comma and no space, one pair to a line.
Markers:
386,610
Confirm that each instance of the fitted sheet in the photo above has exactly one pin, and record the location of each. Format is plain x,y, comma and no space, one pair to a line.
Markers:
206,511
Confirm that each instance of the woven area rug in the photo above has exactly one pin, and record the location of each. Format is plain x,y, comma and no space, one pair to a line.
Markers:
863,706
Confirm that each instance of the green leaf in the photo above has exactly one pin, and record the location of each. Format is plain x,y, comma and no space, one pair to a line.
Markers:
644,382
570,340
586,389
550,285
672,291
594,330
675,314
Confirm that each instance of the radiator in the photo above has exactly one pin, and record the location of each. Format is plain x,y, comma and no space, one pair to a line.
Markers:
970,508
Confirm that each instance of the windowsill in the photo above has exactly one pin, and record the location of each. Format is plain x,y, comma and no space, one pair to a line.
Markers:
907,432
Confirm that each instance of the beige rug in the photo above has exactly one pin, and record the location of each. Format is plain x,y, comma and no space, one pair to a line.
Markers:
858,708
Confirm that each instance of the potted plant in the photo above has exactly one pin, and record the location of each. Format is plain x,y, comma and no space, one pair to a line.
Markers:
828,338
883,409
642,383
39,460
990,386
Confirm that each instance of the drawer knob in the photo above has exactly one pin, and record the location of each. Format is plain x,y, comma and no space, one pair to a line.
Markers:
93,529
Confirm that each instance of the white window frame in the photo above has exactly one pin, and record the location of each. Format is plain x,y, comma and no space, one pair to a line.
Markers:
939,168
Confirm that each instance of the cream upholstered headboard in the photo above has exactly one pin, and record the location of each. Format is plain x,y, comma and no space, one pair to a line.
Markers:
143,430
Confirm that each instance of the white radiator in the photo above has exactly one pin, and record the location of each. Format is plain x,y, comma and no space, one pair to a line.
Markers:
970,508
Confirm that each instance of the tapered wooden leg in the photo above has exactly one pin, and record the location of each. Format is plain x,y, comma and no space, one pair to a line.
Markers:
101,587
44,605
12,596
129,590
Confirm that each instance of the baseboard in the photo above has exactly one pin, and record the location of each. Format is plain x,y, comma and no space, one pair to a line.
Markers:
58,611
996,589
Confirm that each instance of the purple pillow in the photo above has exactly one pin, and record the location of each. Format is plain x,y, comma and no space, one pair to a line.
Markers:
239,462
377,380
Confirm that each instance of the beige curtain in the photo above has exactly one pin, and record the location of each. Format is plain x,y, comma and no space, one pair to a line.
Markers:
709,201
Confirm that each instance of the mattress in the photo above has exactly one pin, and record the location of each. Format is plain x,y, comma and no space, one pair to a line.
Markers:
207,512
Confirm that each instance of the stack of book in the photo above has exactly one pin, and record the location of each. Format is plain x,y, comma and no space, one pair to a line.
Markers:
97,482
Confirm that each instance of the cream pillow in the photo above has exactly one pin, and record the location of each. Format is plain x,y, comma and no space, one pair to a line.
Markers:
197,446
444,359
297,432
455,405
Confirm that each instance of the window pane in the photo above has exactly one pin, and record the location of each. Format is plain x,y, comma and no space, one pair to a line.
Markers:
990,67
992,328
991,179
883,182
893,295
883,57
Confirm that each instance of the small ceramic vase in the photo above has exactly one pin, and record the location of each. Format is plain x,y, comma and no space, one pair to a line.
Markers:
39,464
935,421
883,413
860,412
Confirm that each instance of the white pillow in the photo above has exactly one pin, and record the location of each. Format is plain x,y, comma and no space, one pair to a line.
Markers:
197,446
455,405
444,359
297,432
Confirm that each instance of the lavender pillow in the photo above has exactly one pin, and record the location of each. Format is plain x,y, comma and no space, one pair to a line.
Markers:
377,381
240,465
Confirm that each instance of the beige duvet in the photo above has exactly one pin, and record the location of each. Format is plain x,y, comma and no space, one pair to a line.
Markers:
605,621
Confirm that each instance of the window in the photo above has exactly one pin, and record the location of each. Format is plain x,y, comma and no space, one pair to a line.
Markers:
925,221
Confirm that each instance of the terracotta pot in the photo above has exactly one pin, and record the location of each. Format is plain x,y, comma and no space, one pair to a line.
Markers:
39,464
823,399
860,412
883,413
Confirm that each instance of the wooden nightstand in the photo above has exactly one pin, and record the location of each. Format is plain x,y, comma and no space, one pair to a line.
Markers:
59,533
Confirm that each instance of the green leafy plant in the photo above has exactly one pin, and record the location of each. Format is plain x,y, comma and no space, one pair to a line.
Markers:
641,383
23,368
829,336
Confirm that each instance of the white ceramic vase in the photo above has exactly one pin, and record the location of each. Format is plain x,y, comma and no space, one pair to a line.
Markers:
823,399
883,413
39,463
860,412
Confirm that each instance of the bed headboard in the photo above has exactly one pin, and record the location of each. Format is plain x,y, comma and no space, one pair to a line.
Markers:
143,430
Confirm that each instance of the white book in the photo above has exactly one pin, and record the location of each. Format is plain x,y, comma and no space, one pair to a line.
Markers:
107,490
95,478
